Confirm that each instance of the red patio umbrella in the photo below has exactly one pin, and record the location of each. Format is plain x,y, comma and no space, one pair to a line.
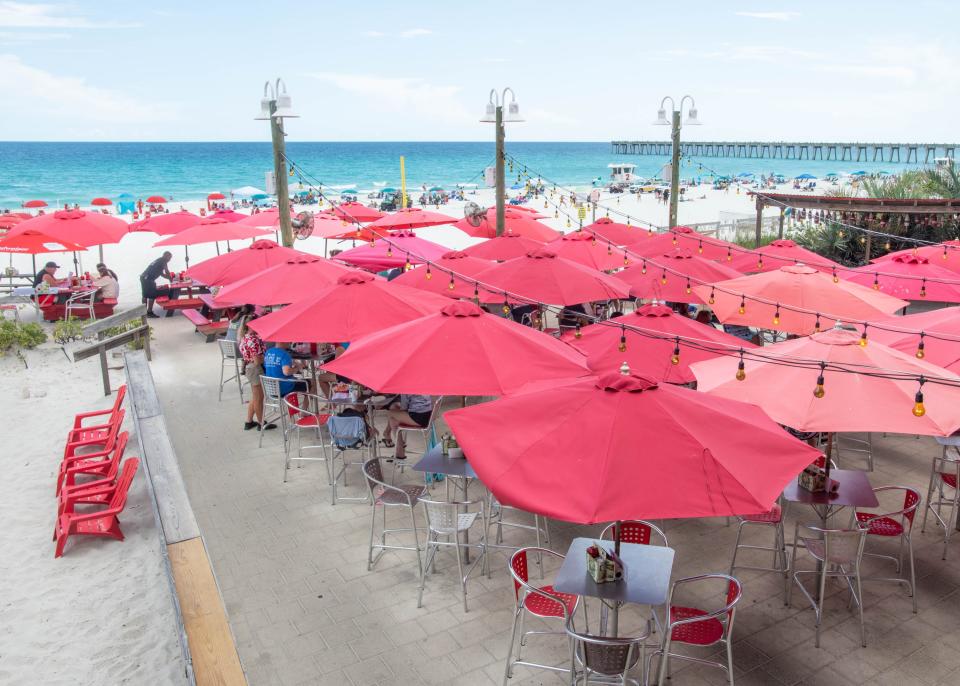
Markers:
688,239
619,234
945,254
356,305
619,447
166,224
779,253
211,230
32,204
101,202
460,350
650,356
798,286
229,215
76,226
232,266
849,401
504,247
517,223
32,242
439,281
216,196
659,277
394,250
542,276
8,220
904,276
411,218
943,352
294,279
266,219
157,199
583,248
356,212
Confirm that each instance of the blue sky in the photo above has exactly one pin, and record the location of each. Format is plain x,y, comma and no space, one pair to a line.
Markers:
173,70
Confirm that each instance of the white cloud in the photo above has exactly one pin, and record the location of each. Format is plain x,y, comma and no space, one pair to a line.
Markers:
47,16
414,33
771,16
71,99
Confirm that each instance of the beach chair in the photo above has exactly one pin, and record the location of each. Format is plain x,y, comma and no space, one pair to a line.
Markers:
92,437
91,464
102,522
96,492
111,414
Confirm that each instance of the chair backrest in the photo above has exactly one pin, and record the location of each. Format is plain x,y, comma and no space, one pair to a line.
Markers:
635,531
840,546
373,471
724,613
911,501
949,467
229,350
519,570
82,299
443,515
118,401
119,499
434,414
271,390
347,432
607,655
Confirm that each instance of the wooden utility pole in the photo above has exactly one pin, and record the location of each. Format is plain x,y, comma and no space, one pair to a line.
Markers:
500,181
675,168
280,175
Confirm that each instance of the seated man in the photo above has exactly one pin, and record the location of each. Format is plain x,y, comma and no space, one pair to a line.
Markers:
278,364
409,410
48,276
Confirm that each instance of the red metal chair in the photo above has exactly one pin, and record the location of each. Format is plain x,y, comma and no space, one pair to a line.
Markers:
539,601
897,524
301,415
92,464
99,523
695,627
943,492
77,432
93,436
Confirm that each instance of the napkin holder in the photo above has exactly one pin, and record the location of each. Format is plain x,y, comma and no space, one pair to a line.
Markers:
813,479
450,447
603,565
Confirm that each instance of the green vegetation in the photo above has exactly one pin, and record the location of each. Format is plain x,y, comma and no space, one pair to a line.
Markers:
16,336
68,330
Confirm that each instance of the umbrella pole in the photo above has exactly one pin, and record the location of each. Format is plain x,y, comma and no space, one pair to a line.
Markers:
76,267
33,258
100,248
826,461
217,243
186,256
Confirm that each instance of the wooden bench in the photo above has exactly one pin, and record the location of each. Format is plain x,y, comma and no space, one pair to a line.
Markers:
210,330
171,306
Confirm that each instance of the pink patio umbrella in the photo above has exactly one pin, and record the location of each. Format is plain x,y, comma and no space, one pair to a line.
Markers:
411,218
460,350
437,279
619,234
209,230
822,300
33,204
229,215
267,219
238,264
517,223
355,305
504,247
684,237
779,253
672,276
355,212
294,279
940,337
394,250
583,248
910,277
76,227
166,224
945,254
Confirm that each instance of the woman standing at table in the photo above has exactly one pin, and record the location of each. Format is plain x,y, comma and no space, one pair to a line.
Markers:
252,350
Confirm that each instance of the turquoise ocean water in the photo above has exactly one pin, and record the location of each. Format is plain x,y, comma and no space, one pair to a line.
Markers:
78,172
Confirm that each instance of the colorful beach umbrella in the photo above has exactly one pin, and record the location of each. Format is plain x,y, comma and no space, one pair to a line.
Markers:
940,339
799,286
517,223
33,204
232,266
909,277
438,280
156,199
166,224
411,218
664,283
76,227
460,350
211,230
355,305
216,196
778,254
583,248
101,202
356,212
393,250
666,451
606,229
846,401
504,247
294,279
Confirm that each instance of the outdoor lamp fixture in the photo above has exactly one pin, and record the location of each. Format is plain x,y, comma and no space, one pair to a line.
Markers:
276,94
494,114
275,106
674,121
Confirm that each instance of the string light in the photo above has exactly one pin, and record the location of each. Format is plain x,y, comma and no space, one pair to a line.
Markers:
776,316
407,267
918,409
626,258
663,277
623,340
675,358
741,370
643,267
920,353
700,247
876,282
506,304
428,274
816,324
476,293
452,285
729,255
863,336
743,305
712,299
609,248
923,288
836,279
818,392
390,250
760,262
945,253
688,286
577,333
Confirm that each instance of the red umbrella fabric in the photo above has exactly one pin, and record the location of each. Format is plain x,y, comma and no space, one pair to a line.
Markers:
944,322
32,204
411,218
76,227
517,223
157,199
211,230
688,239
945,254
330,226
646,280
619,234
166,224
238,264
292,280
779,253
504,247
620,447
798,286
581,247
850,401
356,212
229,215
648,356
356,305
34,242
542,276
439,281
394,250
216,196
267,219
903,277
460,350
101,202
8,220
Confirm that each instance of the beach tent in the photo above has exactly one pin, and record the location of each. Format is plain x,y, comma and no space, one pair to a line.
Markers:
246,192
126,204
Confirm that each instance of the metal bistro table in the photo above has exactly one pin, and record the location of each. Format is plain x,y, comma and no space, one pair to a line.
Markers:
646,577
435,462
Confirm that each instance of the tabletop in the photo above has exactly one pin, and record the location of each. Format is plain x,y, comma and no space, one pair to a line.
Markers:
951,440
207,299
646,576
854,491
435,462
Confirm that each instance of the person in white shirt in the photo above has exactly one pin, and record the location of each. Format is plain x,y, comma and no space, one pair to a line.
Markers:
107,282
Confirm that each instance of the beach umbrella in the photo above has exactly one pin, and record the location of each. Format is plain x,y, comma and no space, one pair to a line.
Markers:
504,247
608,230
267,219
649,245
797,286
437,280
946,254
411,218
101,202
583,248
259,196
830,175
232,266
393,250
777,254
348,191
33,242
794,396
229,215
435,189
543,277
156,200
609,344
388,190
294,279
355,305
245,192
941,336
517,223
460,350
909,277
75,227
33,204
356,212
858,173
662,451
745,175
8,220
664,283
211,230
166,224
216,196
805,176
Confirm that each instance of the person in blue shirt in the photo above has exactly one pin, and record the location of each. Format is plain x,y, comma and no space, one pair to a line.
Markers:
278,364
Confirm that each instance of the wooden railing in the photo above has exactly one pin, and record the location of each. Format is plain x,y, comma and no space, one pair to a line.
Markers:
103,344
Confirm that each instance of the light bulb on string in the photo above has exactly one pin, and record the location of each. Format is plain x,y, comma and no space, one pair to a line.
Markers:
836,279
712,299
428,274
944,256
663,277
863,336
918,409
729,255
818,392
452,284
776,316
626,258
577,333
650,232
675,358
643,267
743,305
688,289
622,347
816,324
506,305
389,250
476,293
700,247
923,288
609,248
876,282
886,246
407,266
760,262
920,352
741,368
